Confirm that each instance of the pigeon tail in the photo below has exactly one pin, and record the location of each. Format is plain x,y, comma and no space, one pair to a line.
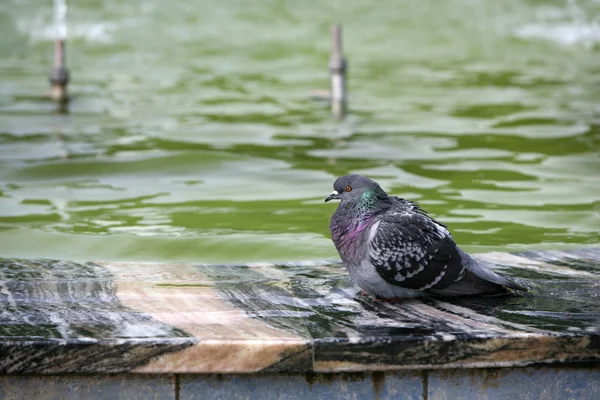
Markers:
478,280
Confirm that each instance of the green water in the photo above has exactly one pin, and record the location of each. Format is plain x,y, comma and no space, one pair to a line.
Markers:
191,135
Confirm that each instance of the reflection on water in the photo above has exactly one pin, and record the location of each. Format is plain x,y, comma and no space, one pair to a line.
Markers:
191,134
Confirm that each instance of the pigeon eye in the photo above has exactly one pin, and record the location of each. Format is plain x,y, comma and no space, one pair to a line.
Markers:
348,188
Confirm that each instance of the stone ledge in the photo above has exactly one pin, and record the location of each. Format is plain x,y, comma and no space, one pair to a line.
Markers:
61,317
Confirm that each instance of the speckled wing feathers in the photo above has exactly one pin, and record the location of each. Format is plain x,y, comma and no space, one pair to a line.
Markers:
411,250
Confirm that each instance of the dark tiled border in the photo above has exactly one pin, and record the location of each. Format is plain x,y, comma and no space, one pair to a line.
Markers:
531,383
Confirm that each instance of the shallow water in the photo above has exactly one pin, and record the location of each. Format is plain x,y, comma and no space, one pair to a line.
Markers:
191,134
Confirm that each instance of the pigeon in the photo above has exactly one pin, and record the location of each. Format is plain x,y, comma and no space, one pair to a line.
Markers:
392,249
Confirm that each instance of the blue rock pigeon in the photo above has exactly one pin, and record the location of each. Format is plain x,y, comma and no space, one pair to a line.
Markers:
393,249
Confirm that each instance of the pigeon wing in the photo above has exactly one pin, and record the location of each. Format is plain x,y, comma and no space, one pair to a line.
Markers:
411,250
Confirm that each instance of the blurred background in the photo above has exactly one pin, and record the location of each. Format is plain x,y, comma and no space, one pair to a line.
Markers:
191,134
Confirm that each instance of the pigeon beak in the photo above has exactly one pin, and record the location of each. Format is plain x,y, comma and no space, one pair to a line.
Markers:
332,196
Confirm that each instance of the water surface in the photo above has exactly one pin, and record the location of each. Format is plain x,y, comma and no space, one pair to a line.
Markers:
191,134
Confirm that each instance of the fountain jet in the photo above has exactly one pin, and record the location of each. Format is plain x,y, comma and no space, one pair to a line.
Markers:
59,76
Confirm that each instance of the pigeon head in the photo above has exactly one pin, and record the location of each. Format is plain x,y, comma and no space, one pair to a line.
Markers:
357,189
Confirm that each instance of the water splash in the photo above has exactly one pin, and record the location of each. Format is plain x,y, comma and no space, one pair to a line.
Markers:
60,19
568,27
38,28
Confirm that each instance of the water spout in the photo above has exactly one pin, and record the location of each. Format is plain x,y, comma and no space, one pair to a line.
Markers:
59,76
337,94
337,67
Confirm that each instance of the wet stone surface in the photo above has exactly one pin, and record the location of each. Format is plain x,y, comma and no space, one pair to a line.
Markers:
96,317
